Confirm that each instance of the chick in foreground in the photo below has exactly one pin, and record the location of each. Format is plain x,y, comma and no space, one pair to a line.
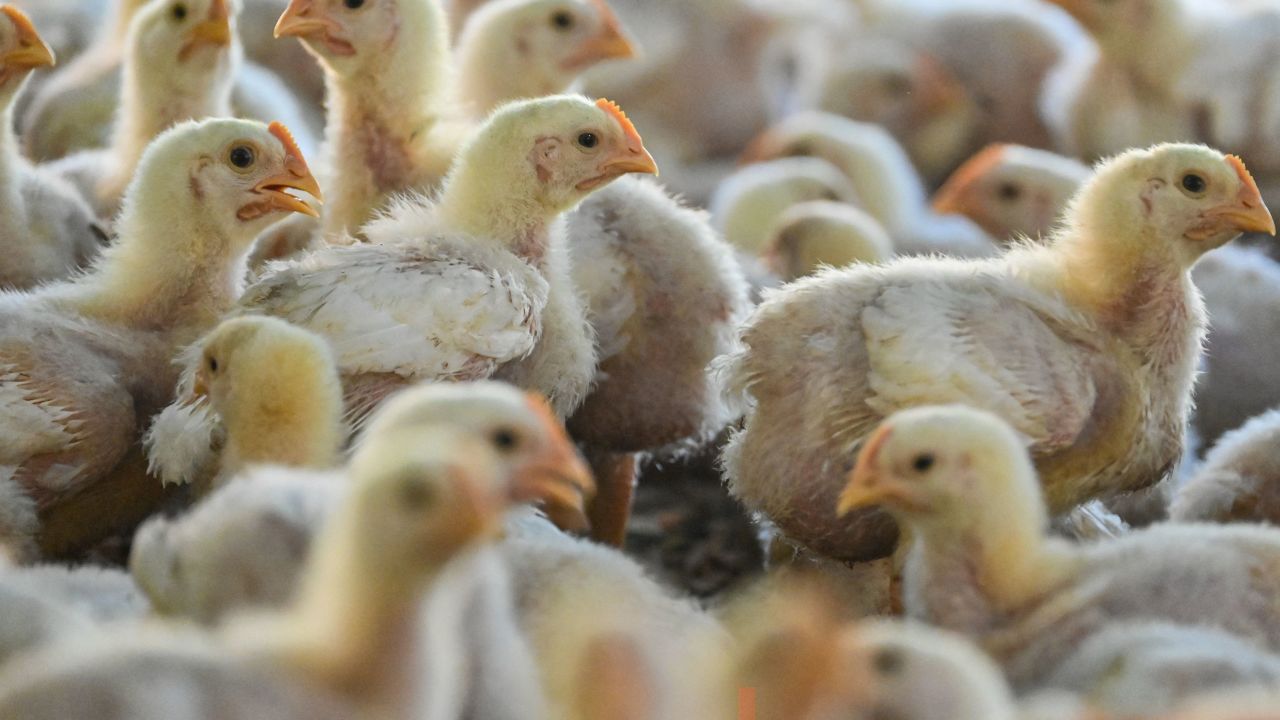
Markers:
963,481
47,231
1088,346
85,362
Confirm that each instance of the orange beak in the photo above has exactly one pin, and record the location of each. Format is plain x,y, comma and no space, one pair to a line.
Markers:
609,44
200,387
1248,213
953,197
768,145
936,89
866,485
32,52
630,157
558,477
301,20
295,176
213,31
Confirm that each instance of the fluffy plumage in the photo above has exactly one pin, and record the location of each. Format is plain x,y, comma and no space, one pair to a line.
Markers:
819,234
1088,346
1239,480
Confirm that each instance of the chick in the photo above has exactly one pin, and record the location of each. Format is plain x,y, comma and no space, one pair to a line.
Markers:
242,545
820,233
273,396
886,184
1107,310
748,203
516,49
963,481
1012,191
47,231
664,296
83,363
1238,481
496,264
422,500
179,61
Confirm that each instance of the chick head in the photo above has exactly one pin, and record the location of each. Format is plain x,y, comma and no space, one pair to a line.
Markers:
824,233
1179,199
931,466
227,177
348,36
185,47
554,151
536,459
1012,191
21,51
552,42
1114,22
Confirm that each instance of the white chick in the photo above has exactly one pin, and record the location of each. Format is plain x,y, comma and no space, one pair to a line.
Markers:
84,363
1088,345
885,182
422,500
47,231
1012,191
514,49
963,481
1239,480
273,397
242,545
664,297
179,61
821,233
495,263
748,203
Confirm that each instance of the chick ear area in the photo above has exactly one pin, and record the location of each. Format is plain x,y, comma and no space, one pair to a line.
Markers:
544,155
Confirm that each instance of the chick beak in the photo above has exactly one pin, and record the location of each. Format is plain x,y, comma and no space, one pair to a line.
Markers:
937,91
558,477
300,19
32,52
867,487
1247,213
200,387
767,145
214,30
296,176
609,44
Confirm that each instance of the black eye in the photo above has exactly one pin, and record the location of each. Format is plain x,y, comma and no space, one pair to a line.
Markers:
179,12
922,462
562,20
213,364
887,661
242,156
353,4
505,438
416,494
1009,191
588,140
1193,183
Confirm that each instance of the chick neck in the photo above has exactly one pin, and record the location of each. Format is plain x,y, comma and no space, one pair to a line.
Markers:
379,116
12,164
290,414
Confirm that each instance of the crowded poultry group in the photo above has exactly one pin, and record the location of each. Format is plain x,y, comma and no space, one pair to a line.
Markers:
967,307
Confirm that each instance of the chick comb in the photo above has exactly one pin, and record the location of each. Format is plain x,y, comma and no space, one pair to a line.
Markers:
285,137
947,199
1243,172
612,109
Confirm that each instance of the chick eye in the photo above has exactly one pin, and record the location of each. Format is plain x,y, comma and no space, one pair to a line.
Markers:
923,462
213,364
416,494
562,20
353,4
1009,192
242,156
887,661
179,12
505,439
1193,183
588,140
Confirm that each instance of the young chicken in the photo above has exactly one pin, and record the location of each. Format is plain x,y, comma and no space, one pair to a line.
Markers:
963,481
242,546
84,363
1012,191
47,231
1088,345
178,65
387,75
494,262
748,203
885,182
423,499
821,233
1239,480
264,391
514,49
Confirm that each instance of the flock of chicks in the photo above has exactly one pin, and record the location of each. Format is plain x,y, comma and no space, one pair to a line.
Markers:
376,457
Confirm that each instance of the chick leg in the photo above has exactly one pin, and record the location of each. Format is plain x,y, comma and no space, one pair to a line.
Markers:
615,486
